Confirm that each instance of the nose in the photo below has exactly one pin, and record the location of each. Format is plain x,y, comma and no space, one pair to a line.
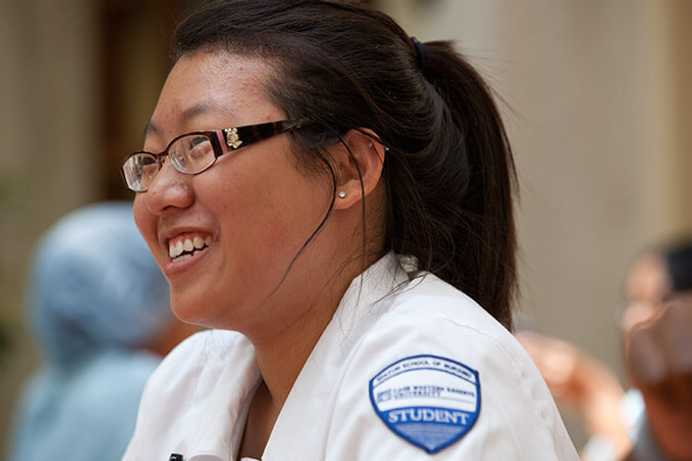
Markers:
169,190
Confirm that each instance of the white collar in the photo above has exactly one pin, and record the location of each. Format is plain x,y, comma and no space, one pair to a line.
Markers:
364,302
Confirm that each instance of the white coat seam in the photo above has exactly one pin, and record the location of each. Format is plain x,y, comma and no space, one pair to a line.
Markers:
510,359
353,353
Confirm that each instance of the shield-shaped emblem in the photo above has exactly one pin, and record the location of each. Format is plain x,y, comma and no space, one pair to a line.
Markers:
429,401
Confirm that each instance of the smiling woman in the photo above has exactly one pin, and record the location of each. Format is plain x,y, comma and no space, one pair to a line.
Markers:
334,200
254,207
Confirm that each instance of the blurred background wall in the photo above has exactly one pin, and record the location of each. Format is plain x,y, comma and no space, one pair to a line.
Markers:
598,109
597,102
78,79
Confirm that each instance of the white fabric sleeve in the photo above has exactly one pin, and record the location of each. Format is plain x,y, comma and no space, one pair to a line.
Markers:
517,420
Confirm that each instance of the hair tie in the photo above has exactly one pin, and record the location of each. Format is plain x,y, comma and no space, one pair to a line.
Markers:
421,56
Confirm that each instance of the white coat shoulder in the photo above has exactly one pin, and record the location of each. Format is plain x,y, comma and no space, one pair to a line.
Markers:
437,375
188,394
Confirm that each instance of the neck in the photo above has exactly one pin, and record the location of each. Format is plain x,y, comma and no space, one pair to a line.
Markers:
282,354
284,344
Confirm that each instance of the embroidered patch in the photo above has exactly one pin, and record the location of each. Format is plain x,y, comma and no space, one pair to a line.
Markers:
429,401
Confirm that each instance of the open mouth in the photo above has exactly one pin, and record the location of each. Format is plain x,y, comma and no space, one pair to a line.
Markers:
185,246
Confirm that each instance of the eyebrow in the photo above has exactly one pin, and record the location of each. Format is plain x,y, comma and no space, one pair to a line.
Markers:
189,113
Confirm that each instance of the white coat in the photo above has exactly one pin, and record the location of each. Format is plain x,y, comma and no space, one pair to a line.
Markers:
405,370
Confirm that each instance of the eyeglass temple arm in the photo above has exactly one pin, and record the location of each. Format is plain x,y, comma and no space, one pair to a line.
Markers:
235,138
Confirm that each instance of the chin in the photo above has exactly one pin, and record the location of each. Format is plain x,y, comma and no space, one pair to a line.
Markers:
199,308
190,309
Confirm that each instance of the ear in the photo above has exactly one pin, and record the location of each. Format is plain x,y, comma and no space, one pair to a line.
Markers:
358,162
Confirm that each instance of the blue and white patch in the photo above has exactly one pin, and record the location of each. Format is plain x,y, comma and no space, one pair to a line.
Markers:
429,401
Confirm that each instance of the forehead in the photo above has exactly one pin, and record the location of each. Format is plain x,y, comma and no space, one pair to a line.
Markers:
213,86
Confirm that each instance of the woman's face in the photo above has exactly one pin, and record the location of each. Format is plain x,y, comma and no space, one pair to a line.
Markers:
253,208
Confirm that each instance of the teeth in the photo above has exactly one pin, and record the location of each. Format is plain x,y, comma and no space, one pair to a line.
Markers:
198,242
187,245
177,247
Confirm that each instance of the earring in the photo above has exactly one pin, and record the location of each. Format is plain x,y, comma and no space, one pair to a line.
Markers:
342,194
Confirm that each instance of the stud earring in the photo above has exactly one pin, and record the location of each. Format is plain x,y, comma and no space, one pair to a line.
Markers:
342,194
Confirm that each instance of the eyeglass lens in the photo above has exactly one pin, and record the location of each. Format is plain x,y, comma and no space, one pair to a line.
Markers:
139,170
190,154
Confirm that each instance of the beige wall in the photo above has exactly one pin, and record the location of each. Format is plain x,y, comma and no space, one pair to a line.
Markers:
48,123
600,122
78,79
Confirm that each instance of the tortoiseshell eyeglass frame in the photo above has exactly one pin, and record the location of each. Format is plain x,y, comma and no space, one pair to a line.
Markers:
223,141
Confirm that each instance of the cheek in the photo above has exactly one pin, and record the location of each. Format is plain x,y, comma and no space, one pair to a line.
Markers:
138,210
267,212
257,219
144,220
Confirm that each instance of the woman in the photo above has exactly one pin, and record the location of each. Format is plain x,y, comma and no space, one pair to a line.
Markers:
320,188
99,307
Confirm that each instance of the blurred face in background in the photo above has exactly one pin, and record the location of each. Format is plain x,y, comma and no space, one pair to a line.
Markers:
646,287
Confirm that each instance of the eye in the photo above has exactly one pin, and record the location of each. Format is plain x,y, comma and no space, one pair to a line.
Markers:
195,141
199,147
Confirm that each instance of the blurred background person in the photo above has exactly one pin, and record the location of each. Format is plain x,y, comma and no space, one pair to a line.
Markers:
99,309
659,361
612,417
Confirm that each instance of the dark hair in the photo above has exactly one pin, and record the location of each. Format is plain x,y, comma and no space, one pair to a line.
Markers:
678,260
449,173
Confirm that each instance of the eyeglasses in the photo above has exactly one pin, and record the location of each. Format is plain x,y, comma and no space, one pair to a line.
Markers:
193,153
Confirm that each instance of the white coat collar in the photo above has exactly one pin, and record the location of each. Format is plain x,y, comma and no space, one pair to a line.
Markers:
300,427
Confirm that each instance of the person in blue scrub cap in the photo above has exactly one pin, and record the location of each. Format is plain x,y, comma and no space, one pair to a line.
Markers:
99,309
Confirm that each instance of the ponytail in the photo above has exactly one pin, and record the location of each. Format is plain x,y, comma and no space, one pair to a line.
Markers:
456,215
449,173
